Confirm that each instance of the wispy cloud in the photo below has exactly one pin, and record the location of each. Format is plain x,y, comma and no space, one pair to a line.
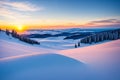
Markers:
20,6
17,11
104,22
10,14
107,21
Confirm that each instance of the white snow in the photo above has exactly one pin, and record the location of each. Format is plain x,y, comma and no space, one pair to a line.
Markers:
22,61
103,59
56,43
93,54
13,48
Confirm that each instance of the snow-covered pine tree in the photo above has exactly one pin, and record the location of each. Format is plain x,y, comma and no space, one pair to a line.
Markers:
7,32
75,46
89,41
79,44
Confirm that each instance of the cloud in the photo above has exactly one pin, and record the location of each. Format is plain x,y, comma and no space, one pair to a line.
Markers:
19,12
104,22
10,14
20,6
107,21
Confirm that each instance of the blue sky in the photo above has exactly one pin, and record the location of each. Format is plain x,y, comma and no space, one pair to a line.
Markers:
79,7
60,12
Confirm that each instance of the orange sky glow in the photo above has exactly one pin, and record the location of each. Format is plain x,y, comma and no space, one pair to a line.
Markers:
57,14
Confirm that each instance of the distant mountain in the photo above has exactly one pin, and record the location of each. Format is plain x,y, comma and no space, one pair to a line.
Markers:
72,33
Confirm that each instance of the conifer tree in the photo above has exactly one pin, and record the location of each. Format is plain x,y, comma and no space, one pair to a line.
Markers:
7,32
78,44
75,46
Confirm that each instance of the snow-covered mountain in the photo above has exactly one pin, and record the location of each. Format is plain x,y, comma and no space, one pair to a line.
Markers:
71,30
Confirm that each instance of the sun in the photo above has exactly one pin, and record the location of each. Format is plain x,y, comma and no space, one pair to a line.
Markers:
20,27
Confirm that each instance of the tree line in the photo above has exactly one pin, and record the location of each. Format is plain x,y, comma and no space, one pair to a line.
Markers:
101,36
20,37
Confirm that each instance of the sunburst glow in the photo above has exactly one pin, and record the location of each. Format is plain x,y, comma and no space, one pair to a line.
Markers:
20,27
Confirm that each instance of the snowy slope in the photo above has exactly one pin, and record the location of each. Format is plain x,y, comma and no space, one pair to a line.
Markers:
93,54
13,48
104,59
41,67
56,43
21,61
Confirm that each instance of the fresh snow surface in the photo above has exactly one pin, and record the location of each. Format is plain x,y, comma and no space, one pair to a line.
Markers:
42,67
22,61
103,59
56,43
13,48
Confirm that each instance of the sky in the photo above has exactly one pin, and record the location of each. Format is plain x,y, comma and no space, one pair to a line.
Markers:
37,14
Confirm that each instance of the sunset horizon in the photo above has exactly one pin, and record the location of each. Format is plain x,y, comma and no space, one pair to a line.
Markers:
58,14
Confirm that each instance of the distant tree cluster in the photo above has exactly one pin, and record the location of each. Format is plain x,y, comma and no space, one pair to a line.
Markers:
21,38
102,36
7,32
78,44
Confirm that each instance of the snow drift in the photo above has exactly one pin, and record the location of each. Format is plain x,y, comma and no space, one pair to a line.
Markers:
41,67
21,61
103,59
